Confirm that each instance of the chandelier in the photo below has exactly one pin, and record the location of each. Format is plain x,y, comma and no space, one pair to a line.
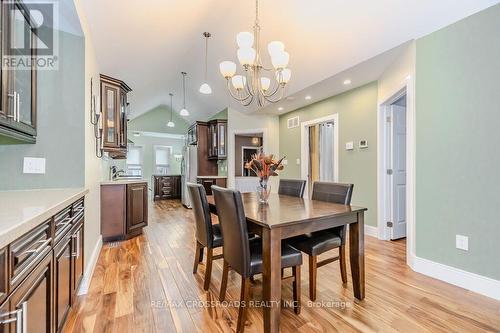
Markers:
254,85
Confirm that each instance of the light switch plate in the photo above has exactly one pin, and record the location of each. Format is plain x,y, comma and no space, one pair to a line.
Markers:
34,165
349,145
298,161
462,242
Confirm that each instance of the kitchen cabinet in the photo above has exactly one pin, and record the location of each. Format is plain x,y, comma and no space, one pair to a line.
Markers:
19,85
124,210
114,116
193,132
39,284
197,135
208,182
166,187
217,139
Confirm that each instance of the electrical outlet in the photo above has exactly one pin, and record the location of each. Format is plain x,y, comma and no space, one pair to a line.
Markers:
34,165
462,242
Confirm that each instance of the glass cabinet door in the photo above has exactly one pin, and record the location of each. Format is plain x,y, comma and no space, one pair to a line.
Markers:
21,80
221,131
111,116
213,140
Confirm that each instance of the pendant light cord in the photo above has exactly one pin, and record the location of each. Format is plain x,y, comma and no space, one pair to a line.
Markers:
171,108
184,87
207,36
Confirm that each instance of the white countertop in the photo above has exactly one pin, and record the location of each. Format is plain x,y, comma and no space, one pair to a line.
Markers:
21,211
211,177
123,181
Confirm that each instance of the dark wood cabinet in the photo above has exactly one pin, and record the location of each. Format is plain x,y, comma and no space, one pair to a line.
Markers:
19,84
208,182
40,273
137,207
217,139
197,135
124,210
114,115
192,135
32,300
166,187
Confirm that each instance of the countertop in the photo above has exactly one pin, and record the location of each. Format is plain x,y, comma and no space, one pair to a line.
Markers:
123,181
211,177
21,211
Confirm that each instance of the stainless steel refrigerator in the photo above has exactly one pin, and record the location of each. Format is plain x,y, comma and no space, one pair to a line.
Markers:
189,171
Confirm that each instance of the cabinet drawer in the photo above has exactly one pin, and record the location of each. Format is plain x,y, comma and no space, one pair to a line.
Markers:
62,223
28,251
78,210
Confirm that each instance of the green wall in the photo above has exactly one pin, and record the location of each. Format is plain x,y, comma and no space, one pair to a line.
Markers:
219,115
156,119
60,133
457,150
357,110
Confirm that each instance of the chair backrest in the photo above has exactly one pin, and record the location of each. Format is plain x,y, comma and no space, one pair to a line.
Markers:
292,187
202,218
234,229
333,192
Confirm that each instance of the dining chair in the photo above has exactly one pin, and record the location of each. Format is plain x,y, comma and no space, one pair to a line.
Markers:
316,243
207,235
244,255
292,187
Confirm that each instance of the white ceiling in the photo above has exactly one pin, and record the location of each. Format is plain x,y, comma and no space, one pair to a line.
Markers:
148,43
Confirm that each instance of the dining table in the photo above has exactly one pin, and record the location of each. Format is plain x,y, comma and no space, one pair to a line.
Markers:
286,216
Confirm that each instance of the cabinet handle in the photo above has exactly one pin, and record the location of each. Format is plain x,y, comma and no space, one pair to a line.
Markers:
77,237
38,249
13,96
20,318
18,103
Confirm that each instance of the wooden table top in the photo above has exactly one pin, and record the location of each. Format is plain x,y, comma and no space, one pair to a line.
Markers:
283,210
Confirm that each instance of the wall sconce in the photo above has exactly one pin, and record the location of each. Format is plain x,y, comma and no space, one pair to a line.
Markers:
255,141
95,119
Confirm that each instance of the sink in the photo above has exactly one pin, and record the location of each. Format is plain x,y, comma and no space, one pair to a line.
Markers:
122,177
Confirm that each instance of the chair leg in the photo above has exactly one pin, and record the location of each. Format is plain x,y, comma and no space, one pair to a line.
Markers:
208,268
296,288
343,270
242,311
198,256
313,270
223,285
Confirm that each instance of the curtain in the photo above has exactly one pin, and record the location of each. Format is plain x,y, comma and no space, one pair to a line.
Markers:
326,164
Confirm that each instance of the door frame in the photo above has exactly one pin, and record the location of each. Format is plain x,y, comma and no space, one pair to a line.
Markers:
406,87
242,151
304,147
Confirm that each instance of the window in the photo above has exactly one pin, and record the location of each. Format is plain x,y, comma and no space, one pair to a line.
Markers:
162,155
134,160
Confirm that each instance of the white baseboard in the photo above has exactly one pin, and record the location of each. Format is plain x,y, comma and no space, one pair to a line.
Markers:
89,270
480,284
371,231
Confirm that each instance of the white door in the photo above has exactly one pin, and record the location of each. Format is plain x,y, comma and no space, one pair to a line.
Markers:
398,166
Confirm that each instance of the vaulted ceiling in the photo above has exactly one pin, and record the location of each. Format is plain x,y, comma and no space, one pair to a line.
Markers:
148,43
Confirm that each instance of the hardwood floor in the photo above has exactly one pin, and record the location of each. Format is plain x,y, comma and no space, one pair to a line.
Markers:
146,285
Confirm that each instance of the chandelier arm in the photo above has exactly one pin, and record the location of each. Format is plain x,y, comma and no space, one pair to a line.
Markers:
269,100
274,91
250,89
249,101
239,99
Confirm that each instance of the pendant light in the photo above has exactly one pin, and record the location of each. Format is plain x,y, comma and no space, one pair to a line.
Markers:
184,112
171,123
205,88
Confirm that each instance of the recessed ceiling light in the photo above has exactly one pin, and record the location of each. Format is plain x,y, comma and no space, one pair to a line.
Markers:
308,97
346,82
280,108
137,134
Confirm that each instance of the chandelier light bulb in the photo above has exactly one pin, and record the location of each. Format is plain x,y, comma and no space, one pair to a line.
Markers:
184,113
265,83
170,124
283,76
246,56
238,82
244,39
205,89
280,60
275,47
227,69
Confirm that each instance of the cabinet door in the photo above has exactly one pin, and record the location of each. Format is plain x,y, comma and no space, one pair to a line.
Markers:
19,83
6,317
123,120
33,300
137,206
77,256
62,281
221,140
110,113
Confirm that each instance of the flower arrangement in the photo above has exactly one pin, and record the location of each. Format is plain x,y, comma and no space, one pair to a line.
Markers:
264,167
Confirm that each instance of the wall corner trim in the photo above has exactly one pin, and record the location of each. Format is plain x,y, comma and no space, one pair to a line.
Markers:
477,283
89,270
